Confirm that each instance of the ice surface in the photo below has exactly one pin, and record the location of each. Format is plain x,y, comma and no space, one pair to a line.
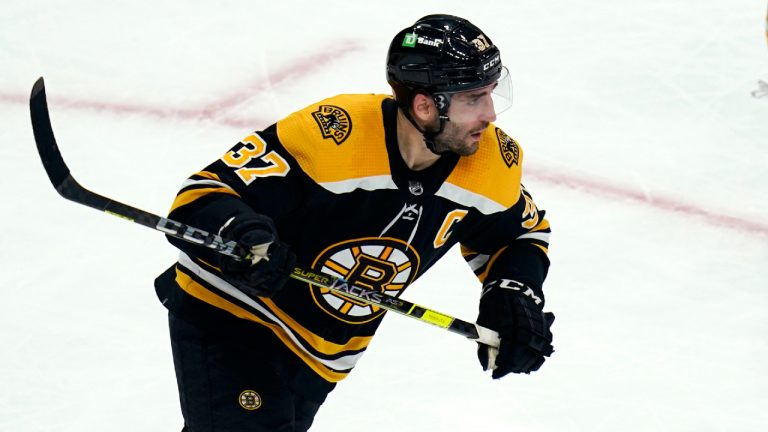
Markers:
642,141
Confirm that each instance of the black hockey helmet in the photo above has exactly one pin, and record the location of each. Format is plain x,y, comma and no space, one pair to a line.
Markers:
441,54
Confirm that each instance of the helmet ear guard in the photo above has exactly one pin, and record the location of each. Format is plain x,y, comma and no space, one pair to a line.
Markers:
442,102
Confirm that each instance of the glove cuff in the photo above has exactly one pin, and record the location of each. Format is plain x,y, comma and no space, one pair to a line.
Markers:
503,287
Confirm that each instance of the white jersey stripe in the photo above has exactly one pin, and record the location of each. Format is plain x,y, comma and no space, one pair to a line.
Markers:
447,190
543,236
365,183
478,261
468,198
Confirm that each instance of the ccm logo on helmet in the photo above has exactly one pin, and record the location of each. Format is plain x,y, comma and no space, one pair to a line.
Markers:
494,61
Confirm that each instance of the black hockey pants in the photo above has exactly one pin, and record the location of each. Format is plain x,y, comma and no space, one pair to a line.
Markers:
228,384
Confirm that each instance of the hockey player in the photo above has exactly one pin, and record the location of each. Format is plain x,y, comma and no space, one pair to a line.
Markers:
371,188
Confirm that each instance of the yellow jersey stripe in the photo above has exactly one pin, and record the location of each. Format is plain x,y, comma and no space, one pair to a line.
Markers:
543,225
208,175
321,345
196,290
338,360
192,195
488,267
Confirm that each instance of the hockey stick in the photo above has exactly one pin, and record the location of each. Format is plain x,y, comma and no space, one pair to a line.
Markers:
69,188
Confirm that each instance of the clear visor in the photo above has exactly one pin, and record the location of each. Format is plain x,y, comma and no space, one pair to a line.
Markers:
502,94
487,101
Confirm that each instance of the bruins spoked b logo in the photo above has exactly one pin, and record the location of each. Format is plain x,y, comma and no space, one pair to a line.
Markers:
510,151
386,265
334,122
249,400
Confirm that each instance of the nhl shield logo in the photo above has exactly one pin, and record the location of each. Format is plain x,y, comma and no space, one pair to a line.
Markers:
510,151
334,123
386,265
415,187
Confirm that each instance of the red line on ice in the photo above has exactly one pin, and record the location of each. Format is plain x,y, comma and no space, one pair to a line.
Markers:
301,68
602,188
214,111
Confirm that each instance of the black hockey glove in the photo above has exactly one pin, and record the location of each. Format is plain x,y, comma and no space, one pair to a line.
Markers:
515,311
271,263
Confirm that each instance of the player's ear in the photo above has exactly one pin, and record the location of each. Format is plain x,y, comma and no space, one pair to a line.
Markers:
423,108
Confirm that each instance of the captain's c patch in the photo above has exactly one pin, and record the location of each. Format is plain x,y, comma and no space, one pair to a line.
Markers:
510,150
334,122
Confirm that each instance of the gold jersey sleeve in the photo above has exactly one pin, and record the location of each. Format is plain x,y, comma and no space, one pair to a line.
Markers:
338,139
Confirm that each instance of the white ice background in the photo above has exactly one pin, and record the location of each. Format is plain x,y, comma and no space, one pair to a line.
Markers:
642,142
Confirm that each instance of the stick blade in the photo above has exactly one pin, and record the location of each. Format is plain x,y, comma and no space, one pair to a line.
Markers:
46,143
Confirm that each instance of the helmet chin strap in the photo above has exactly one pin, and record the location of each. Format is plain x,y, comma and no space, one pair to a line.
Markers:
442,102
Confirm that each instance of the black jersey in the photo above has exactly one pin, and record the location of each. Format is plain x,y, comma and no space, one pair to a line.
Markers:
333,180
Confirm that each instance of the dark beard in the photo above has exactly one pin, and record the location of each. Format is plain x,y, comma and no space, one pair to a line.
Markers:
448,141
